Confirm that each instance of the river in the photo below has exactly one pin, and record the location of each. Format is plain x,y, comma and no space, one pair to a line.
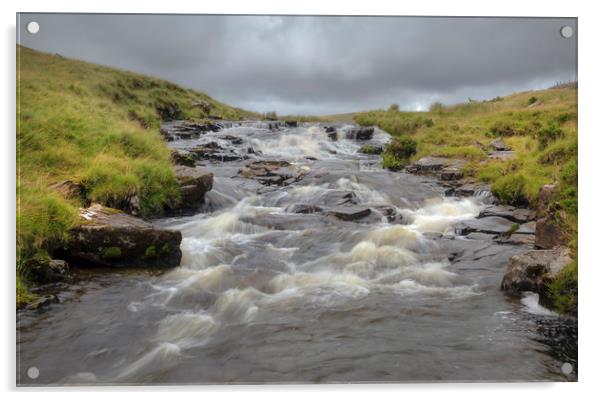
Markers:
266,295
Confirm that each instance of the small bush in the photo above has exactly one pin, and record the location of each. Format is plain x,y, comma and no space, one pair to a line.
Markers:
510,189
532,100
393,108
270,116
548,135
398,152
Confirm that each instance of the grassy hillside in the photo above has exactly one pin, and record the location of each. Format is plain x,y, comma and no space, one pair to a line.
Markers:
94,125
540,126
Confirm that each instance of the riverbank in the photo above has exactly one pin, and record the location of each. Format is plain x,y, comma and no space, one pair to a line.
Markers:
304,246
90,134
516,145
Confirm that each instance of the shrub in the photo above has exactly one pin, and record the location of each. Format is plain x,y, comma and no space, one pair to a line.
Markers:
393,108
510,189
270,116
532,100
397,153
549,134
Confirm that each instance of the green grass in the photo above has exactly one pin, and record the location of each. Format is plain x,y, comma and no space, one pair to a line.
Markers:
540,126
98,126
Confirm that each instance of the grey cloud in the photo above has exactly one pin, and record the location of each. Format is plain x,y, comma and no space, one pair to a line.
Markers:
321,65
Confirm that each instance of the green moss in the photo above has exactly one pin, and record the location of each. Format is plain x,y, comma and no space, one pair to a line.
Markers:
151,252
166,249
112,253
563,290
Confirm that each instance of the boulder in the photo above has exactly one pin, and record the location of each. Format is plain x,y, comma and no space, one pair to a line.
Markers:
549,232
499,145
427,165
48,271
544,199
279,173
291,124
451,174
533,270
111,238
361,133
194,182
349,212
331,132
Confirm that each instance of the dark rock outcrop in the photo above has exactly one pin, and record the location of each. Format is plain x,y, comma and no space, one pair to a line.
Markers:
111,238
451,174
291,124
175,130
179,157
518,215
331,132
215,152
361,133
534,270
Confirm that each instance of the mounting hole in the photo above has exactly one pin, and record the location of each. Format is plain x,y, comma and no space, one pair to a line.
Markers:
33,27
566,368
33,372
566,31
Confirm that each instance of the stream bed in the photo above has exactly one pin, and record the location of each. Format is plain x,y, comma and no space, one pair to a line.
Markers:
274,288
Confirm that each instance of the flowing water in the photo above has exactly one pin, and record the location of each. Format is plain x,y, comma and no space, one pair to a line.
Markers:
265,295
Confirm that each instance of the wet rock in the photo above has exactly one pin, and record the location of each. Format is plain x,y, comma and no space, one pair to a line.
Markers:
490,225
69,189
194,184
331,132
232,139
215,152
349,212
518,239
279,173
111,238
43,302
451,174
361,133
291,124
168,111
175,130
533,270
371,149
304,209
179,157
480,236
391,214
471,189
427,165
48,271
499,145
519,215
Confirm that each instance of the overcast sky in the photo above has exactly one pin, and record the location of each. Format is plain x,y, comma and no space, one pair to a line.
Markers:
321,65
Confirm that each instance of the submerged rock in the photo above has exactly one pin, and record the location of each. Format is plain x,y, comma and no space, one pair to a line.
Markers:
349,212
331,132
533,270
111,238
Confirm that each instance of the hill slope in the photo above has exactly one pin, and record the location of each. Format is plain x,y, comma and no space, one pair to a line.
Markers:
540,126
98,126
